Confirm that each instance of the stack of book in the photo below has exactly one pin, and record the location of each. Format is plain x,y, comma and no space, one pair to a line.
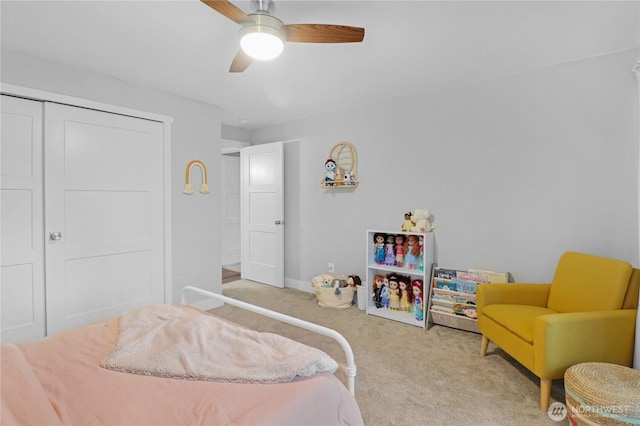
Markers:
454,291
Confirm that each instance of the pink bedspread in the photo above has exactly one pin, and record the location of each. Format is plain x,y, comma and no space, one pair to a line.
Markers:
58,380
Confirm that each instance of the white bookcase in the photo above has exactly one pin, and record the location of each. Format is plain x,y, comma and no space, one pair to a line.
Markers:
406,310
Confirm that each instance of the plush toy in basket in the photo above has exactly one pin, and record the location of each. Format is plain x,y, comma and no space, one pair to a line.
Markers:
335,292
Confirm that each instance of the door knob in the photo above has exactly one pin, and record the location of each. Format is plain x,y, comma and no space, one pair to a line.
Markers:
55,236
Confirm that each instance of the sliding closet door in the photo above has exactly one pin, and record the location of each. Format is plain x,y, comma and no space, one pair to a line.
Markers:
21,218
104,215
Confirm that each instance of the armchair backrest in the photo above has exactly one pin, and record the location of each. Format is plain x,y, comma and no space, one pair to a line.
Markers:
633,291
584,282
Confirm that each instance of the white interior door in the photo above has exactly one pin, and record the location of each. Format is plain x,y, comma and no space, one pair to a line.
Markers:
104,199
21,216
262,205
230,191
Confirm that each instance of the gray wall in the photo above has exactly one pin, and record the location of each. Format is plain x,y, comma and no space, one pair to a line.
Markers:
516,170
195,132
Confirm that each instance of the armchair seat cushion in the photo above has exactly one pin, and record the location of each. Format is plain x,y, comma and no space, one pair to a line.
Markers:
518,319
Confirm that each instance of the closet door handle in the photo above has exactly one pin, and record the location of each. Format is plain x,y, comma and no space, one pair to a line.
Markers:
55,236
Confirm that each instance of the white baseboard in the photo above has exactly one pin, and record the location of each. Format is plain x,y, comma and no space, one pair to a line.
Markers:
298,285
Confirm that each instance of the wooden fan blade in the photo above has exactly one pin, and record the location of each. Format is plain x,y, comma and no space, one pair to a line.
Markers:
319,33
227,9
240,62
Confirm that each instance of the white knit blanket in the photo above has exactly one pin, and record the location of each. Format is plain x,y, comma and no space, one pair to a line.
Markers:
169,341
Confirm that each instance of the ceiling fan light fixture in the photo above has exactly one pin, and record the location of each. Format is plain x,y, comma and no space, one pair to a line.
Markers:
262,39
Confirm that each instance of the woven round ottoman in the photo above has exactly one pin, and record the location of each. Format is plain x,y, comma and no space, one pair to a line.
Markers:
598,393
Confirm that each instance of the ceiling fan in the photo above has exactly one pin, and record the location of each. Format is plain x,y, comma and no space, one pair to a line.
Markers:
263,25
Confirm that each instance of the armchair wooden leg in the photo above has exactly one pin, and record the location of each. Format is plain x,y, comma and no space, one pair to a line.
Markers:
483,346
545,394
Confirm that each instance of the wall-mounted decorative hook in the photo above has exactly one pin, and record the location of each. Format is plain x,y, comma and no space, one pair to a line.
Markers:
188,188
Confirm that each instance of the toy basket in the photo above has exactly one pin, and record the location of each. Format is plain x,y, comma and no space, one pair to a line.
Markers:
328,297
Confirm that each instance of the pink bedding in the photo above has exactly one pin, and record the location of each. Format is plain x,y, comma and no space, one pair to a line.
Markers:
58,380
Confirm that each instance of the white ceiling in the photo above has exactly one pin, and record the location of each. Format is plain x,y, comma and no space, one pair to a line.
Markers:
184,47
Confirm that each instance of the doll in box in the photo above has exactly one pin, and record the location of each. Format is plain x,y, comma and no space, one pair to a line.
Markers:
378,247
376,290
390,251
400,240
406,296
412,252
417,309
394,292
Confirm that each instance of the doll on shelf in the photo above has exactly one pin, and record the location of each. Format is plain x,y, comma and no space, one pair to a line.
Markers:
376,290
390,251
394,292
408,223
384,294
417,309
421,258
400,250
412,252
331,172
378,247
405,293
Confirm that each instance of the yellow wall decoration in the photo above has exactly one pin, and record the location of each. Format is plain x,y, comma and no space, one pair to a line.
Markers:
188,188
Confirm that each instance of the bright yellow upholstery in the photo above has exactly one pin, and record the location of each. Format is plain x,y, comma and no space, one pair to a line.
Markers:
587,314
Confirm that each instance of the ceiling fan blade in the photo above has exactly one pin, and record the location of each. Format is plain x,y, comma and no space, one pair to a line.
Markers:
320,33
240,62
227,9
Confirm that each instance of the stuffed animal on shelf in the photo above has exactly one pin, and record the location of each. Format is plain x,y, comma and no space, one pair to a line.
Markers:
423,221
331,172
408,223
349,179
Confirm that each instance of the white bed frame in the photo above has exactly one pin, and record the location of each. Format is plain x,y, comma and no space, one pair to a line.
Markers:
350,368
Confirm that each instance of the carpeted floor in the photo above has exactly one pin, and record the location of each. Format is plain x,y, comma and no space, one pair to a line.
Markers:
407,375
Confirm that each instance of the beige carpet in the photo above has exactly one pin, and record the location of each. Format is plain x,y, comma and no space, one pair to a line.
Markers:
406,375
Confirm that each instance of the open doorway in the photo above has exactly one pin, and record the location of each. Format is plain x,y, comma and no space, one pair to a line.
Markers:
230,273
253,236
230,210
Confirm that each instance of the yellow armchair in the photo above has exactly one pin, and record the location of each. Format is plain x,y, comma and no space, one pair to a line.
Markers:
587,314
